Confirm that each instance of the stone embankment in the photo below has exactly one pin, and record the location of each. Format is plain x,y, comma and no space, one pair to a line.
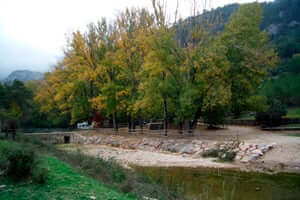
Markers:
244,152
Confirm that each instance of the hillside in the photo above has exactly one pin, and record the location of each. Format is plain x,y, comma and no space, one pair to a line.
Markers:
23,75
282,23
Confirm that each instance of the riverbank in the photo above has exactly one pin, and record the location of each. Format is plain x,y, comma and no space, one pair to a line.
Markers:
63,183
259,151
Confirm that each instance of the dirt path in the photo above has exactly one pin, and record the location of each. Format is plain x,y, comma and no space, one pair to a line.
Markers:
284,157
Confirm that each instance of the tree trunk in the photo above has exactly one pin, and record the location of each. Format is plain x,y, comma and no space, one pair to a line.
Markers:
181,127
193,123
165,116
141,122
191,127
132,124
115,125
129,124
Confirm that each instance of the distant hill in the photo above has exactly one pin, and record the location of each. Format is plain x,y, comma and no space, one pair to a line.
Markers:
24,76
282,23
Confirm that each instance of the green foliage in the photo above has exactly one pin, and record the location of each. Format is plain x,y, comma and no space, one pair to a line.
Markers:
19,161
222,155
284,88
216,116
293,113
211,153
135,67
40,175
249,54
273,116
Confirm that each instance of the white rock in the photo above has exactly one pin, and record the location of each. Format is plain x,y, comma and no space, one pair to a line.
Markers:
92,197
257,151
148,198
249,157
238,157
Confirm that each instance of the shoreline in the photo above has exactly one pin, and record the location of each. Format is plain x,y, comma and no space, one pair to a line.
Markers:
129,158
256,150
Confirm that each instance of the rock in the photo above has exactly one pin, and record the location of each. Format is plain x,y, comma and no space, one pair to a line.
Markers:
148,198
249,157
188,149
115,144
2,186
176,148
244,147
155,144
238,157
198,142
257,151
98,141
271,146
199,151
92,197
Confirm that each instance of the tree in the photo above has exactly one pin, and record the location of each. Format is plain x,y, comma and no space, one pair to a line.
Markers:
134,28
248,52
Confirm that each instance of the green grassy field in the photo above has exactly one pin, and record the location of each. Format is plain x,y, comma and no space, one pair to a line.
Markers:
63,184
293,113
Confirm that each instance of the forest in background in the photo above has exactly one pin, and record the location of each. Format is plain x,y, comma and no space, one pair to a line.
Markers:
140,67
282,22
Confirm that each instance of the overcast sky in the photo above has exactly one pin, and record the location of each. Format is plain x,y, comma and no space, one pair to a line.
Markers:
33,32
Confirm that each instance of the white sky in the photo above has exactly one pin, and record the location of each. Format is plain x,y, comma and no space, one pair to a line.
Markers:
33,32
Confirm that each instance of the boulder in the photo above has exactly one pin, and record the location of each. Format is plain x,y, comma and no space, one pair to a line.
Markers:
258,151
249,157
115,143
188,149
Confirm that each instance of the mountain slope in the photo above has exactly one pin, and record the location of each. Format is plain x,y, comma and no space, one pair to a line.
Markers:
24,76
282,23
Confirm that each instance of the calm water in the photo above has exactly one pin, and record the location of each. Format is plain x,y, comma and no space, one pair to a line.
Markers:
212,184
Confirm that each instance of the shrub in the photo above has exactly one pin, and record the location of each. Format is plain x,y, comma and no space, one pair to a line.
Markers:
273,116
211,153
40,175
19,161
227,156
223,155
215,117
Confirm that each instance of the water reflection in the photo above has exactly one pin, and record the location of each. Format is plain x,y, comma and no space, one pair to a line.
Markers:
214,184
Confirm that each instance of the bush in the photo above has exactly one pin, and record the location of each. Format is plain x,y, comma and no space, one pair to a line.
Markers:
273,116
19,161
227,156
211,153
40,175
22,161
215,117
223,155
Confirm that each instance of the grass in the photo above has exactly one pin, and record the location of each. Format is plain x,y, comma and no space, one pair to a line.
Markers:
244,116
79,176
290,125
293,113
63,183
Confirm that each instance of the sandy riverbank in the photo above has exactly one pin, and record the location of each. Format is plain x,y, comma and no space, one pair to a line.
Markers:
284,157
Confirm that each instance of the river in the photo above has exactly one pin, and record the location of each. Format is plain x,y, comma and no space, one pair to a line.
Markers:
214,184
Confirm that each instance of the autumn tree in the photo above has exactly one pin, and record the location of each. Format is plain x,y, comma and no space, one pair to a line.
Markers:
249,54
133,27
